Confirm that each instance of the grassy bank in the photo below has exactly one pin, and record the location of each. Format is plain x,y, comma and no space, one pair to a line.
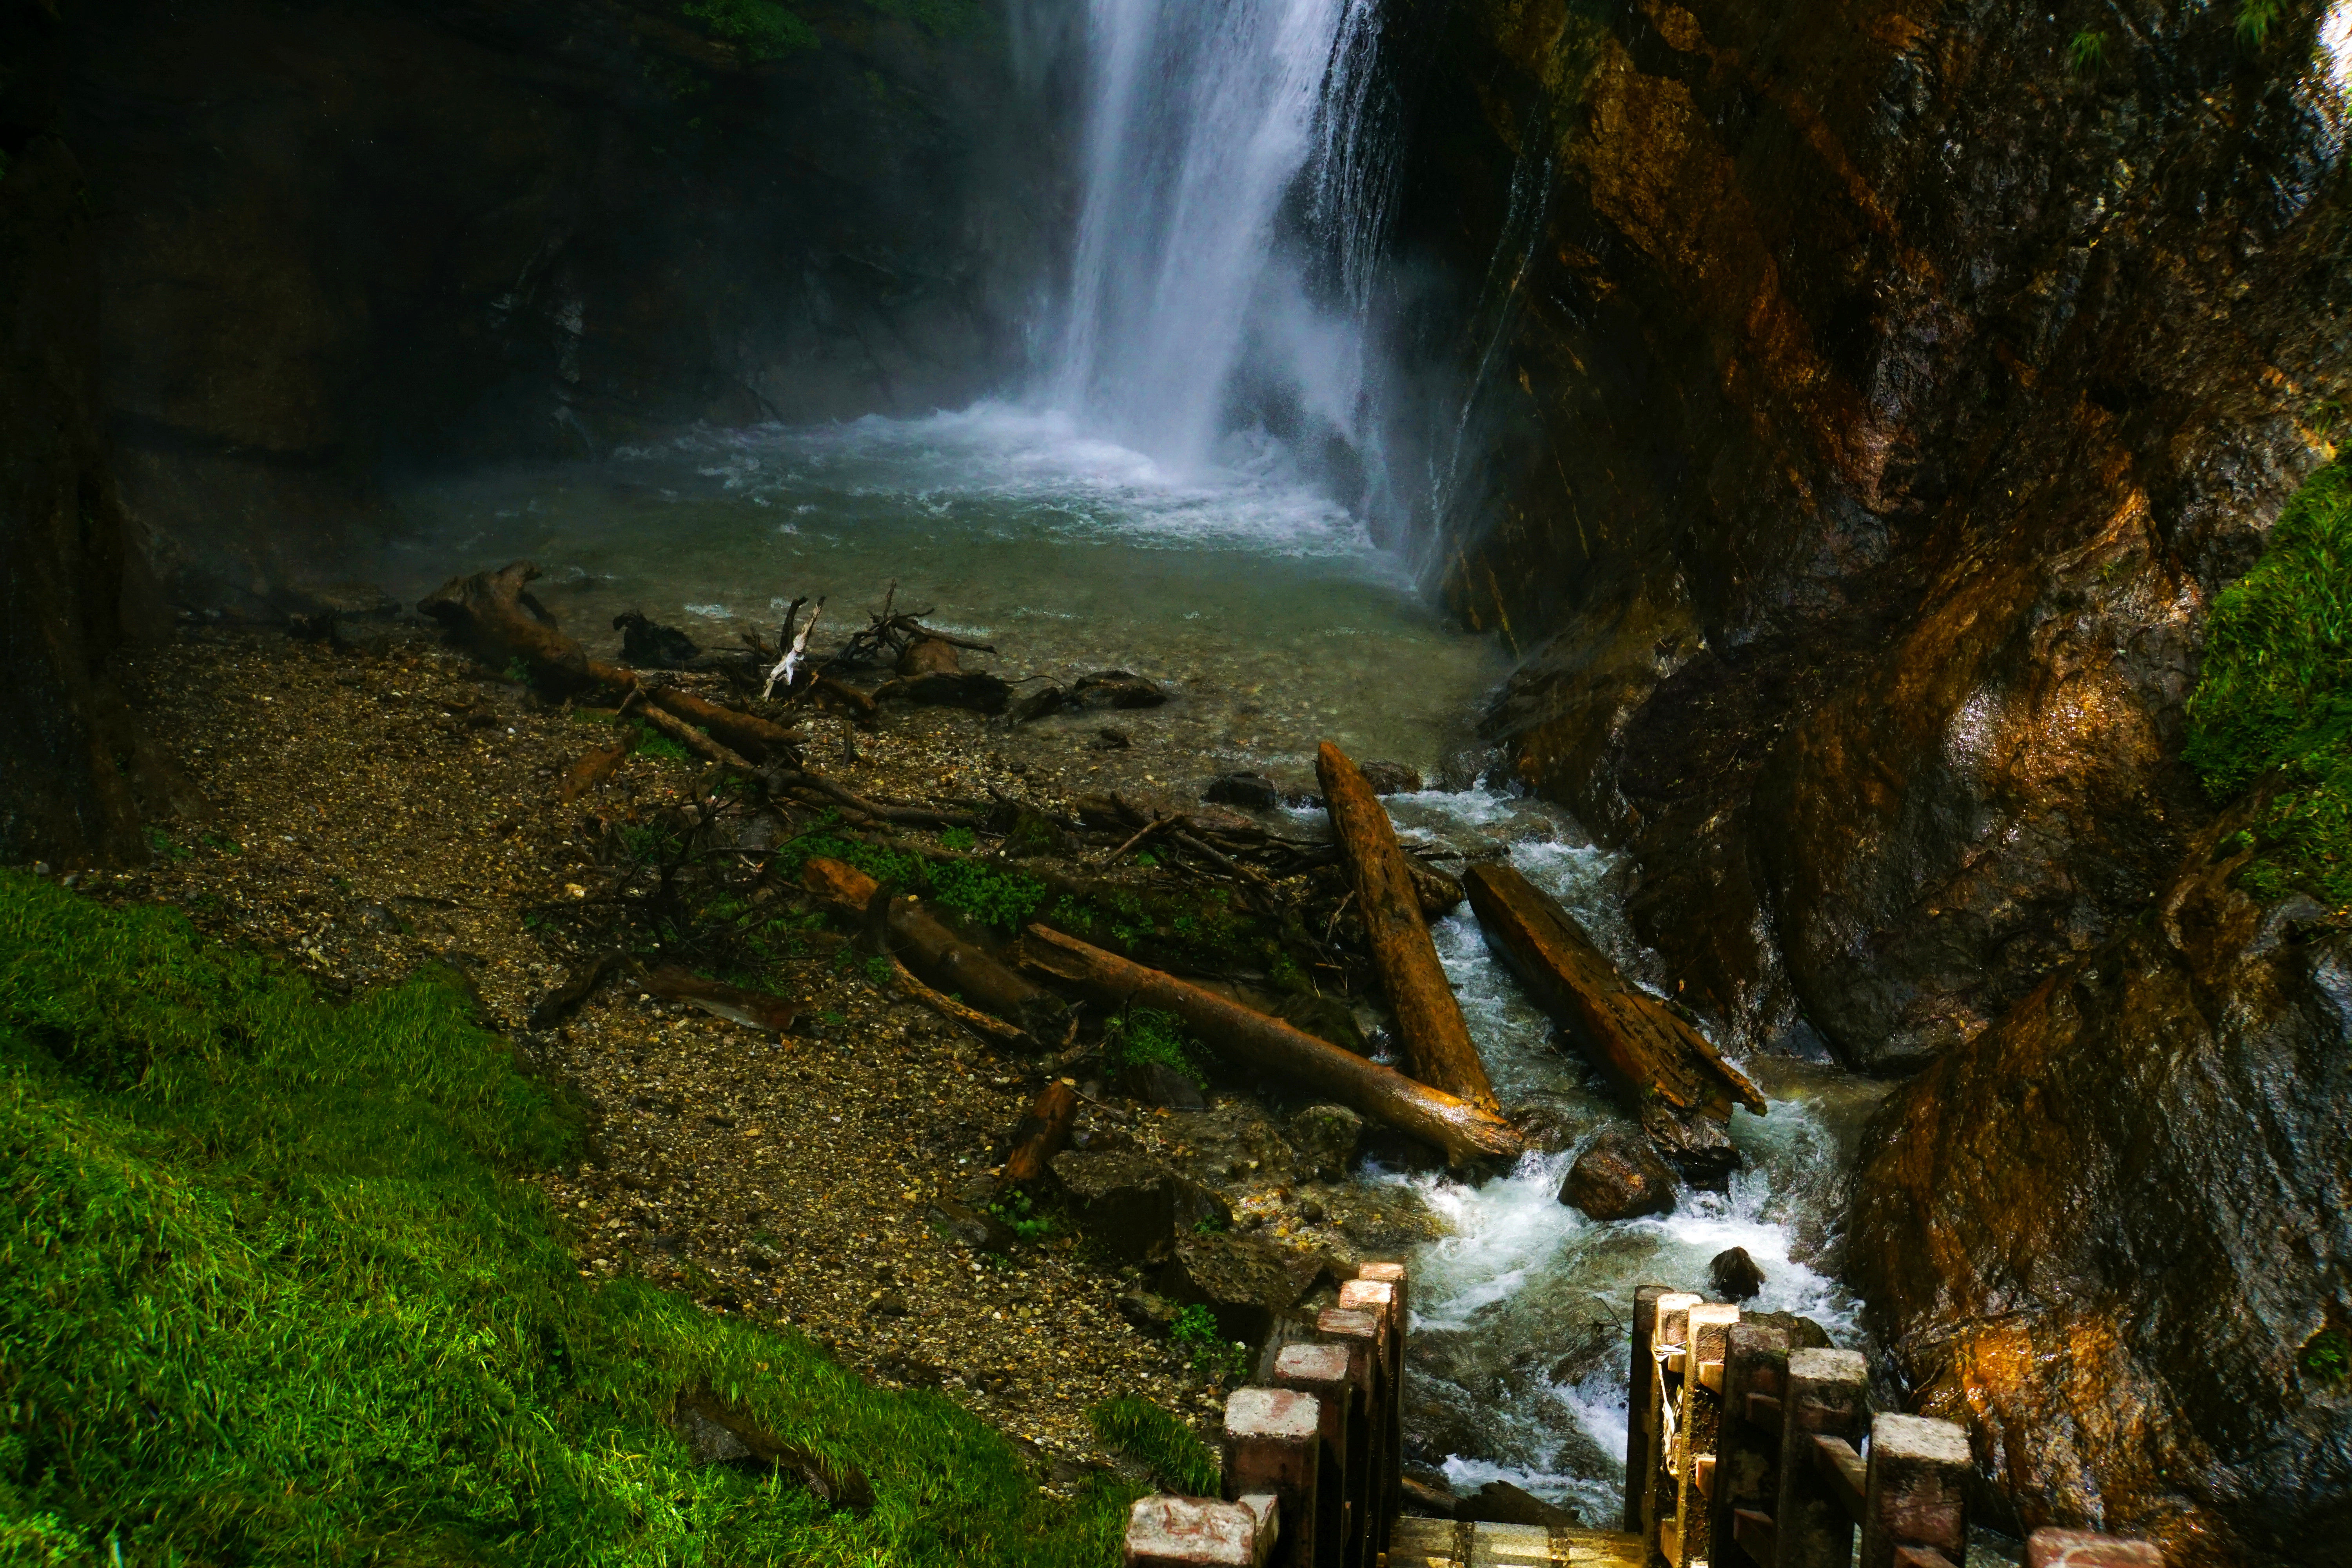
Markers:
271,1291
2274,701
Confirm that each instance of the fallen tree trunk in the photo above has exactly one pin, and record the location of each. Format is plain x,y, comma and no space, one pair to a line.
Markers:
1464,1131
1044,1132
496,614
1437,1043
936,953
1666,1072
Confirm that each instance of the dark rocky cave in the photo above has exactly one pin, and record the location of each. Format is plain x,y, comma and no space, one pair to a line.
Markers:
1866,408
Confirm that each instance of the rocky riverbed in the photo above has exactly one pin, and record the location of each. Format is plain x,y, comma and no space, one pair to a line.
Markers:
380,801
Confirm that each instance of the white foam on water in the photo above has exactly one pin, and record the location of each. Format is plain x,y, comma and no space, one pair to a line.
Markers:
1511,1236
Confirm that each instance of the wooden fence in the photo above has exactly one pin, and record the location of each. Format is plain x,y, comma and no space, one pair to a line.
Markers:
1740,1452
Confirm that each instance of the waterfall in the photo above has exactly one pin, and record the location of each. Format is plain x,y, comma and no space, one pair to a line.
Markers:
1232,217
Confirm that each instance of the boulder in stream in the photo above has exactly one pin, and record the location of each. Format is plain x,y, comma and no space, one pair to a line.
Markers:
1116,689
1619,1177
1254,791
1732,1276
1391,778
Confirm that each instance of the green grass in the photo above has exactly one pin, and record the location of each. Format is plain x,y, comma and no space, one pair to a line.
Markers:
1144,1036
1194,1331
980,892
2273,700
762,29
1159,1442
271,1291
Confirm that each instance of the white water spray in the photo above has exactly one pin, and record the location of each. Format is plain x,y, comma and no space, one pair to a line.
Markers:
1224,178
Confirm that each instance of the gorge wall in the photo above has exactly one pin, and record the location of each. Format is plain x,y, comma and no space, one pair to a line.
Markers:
1869,400
1872,404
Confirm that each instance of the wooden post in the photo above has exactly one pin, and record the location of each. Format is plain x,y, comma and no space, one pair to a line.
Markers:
1669,1335
1826,1394
1755,1360
1200,1532
1641,1406
1321,1370
1917,1492
1392,1452
1360,1331
1380,1296
1700,1423
1274,1443
2051,1548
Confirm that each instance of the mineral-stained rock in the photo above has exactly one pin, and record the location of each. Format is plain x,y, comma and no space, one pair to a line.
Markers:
1245,1283
1619,1177
1325,1137
1732,1276
1500,1502
2102,1234
1131,1206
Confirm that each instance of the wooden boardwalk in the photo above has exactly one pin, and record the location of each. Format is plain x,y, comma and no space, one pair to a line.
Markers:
1443,1544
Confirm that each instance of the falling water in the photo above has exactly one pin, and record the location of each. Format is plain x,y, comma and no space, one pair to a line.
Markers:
1230,216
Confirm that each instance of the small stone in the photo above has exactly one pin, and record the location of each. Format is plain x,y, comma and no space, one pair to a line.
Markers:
1733,1275
1116,689
1391,778
1253,791
1500,1502
1310,1211
1325,1137
1147,1311
889,1304
1157,1083
1620,1177
1110,739
651,645
1037,704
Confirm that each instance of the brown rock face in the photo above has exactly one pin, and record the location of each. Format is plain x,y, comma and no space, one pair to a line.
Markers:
1619,1177
1868,407
2105,1234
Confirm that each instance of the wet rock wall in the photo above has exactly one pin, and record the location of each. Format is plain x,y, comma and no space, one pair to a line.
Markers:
1864,406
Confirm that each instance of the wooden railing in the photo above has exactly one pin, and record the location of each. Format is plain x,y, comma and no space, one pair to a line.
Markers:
1312,1459
1741,1450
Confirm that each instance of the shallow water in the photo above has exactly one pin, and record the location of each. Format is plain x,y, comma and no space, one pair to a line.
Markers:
1277,624
1259,600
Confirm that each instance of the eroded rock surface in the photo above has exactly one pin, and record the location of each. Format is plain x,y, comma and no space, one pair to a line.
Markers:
2107,1234
1867,425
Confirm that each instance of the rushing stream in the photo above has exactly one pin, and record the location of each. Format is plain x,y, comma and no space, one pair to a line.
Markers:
1163,501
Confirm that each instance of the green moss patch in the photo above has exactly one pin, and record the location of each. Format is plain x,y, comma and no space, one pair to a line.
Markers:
272,1291
2273,702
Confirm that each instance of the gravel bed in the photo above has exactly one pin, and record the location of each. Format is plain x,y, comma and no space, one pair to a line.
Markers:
379,809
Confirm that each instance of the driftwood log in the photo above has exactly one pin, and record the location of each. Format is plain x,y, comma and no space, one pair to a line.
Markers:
937,955
496,614
755,1008
1668,1073
1044,1132
1464,1131
1437,1045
